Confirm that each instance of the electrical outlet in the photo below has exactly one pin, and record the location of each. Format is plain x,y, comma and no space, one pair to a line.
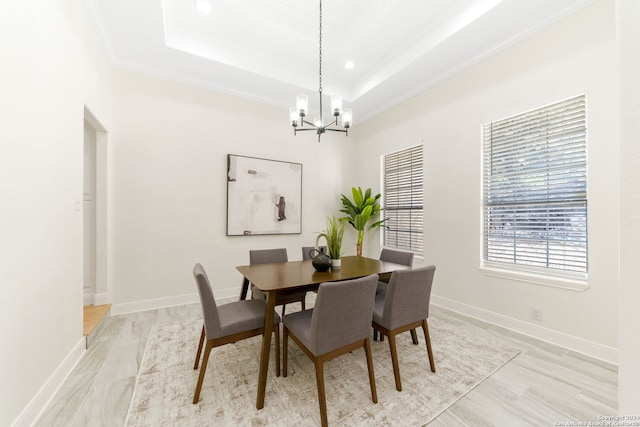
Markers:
536,314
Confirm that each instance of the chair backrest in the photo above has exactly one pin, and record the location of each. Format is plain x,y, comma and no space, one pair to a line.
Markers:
307,249
265,256
397,257
208,303
342,313
407,297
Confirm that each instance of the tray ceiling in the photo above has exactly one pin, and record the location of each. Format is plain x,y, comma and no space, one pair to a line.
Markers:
267,50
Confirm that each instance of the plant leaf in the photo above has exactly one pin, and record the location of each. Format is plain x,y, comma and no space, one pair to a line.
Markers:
357,196
376,225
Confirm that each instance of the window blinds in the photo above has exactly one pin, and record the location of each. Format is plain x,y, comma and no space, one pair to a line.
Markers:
402,199
535,188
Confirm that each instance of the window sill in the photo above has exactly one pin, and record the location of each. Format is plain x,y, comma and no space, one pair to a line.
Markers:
574,284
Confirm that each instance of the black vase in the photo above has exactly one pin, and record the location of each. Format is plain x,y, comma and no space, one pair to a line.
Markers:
321,262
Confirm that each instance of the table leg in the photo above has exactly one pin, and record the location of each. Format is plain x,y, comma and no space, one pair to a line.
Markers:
266,349
245,288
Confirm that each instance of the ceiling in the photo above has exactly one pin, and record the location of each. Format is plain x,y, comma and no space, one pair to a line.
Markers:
267,50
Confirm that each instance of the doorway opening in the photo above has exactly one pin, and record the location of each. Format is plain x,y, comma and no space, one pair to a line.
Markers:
94,224
89,214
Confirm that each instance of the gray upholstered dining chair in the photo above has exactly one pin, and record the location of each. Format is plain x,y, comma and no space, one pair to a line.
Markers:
307,249
339,323
396,257
403,307
266,256
228,323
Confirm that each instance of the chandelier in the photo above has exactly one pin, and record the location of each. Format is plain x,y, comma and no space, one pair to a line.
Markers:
297,115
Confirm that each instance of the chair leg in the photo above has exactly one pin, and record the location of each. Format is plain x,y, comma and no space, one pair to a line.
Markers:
195,365
245,288
302,302
372,378
321,395
205,360
375,335
394,361
414,337
284,307
425,328
285,350
276,331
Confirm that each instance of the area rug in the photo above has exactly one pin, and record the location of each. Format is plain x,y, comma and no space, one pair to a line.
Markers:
465,355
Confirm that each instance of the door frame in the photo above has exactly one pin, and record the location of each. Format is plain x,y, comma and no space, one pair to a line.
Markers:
102,292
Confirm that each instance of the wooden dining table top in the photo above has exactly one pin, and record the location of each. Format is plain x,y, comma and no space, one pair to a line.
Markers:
295,274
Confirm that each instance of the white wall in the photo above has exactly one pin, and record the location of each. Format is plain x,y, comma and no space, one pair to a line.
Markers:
576,55
628,17
52,66
169,155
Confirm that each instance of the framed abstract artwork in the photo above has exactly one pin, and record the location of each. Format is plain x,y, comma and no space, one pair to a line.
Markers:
263,196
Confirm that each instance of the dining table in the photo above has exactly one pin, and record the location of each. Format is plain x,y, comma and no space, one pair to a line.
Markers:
272,278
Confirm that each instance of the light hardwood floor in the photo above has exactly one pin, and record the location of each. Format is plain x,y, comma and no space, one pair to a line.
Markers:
93,315
542,386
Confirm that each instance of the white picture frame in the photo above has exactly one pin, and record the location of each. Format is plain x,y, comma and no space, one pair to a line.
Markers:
263,196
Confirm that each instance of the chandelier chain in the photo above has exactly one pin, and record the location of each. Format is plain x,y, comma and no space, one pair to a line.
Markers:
320,44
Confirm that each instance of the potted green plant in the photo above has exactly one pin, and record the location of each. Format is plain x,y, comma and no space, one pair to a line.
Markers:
333,234
360,212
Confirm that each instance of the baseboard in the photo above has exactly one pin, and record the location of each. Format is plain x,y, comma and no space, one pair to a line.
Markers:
100,299
579,345
38,404
87,298
151,304
95,299
226,295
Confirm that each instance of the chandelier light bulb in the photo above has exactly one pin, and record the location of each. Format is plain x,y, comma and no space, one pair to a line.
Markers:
302,104
347,118
293,117
336,105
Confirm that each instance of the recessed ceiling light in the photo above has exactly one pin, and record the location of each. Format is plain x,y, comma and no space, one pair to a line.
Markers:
203,6
349,65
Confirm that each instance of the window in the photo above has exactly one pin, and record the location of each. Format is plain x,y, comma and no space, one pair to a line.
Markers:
402,199
535,190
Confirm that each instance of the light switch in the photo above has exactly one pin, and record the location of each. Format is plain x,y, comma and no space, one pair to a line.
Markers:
77,204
